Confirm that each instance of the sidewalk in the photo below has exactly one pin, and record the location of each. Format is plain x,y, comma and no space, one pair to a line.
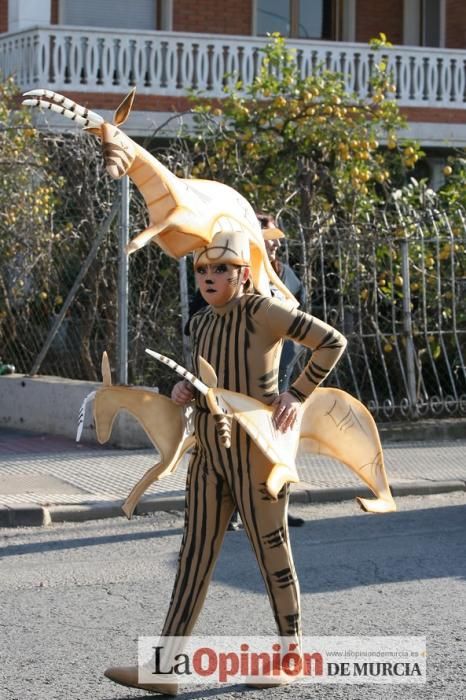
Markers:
47,479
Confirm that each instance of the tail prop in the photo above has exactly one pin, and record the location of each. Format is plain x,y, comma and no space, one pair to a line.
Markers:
82,414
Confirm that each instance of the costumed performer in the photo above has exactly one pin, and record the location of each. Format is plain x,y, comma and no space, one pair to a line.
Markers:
271,235
240,334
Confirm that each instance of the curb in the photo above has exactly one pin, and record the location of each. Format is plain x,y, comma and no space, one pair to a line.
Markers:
398,489
112,509
444,430
24,515
30,515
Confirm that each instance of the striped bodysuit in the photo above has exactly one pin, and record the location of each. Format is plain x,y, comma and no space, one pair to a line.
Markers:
242,341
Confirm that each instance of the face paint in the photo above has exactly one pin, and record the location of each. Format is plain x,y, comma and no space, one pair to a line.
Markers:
219,284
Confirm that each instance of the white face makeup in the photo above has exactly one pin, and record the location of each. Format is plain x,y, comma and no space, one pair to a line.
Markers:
221,282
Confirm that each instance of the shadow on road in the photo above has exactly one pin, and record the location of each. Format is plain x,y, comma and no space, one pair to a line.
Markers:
330,554
202,692
340,553
55,545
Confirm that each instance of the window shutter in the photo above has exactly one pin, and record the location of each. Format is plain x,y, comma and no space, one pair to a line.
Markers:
113,14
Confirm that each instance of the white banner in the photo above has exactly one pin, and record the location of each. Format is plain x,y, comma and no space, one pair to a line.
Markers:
213,660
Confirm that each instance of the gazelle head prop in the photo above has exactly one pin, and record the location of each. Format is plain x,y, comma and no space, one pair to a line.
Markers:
118,149
184,214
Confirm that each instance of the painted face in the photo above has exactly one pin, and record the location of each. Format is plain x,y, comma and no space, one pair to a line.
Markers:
220,283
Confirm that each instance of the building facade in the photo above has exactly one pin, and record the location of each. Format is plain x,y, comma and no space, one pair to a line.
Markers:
95,52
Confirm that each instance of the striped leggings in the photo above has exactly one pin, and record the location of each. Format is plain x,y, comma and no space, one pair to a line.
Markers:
220,480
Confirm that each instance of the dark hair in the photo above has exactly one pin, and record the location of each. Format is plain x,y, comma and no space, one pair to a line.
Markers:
248,287
265,219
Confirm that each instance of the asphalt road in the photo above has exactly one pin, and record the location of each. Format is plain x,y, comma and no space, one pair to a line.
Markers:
75,597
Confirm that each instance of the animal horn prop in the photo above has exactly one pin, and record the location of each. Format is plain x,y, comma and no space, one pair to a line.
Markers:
222,422
182,371
64,106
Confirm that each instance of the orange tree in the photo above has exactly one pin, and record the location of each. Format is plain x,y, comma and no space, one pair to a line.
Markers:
27,201
305,147
286,137
330,162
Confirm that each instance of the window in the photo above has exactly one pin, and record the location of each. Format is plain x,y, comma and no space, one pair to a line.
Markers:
424,23
304,19
431,23
114,14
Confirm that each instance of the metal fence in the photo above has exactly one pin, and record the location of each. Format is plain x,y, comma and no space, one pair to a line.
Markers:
395,286
59,305
398,292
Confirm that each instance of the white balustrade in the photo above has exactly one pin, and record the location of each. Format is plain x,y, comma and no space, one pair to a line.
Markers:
172,63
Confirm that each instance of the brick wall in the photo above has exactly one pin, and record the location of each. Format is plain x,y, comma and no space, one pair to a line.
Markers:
54,12
164,103
3,16
144,103
434,115
375,16
455,34
213,16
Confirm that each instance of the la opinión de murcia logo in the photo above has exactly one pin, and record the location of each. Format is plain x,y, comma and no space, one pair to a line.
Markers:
325,659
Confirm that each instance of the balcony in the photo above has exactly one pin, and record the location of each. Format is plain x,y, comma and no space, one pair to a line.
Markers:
170,63
90,60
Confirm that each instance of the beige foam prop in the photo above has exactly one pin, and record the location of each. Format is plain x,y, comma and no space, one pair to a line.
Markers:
337,425
184,214
168,426
331,423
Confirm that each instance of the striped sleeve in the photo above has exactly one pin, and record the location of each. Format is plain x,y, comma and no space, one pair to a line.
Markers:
326,343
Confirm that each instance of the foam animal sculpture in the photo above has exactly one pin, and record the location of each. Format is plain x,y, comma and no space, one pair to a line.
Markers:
332,423
184,214
168,426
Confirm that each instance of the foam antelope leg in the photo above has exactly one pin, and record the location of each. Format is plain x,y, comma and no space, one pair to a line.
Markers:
155,473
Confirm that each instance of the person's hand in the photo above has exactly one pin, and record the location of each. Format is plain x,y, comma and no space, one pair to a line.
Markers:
182,393
286,411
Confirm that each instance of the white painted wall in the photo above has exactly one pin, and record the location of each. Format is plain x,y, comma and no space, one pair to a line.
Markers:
51,405
23,14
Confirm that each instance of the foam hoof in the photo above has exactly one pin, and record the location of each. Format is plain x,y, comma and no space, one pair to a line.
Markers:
280,475
379,505
128,676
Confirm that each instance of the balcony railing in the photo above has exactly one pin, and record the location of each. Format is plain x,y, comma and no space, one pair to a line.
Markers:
86,59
